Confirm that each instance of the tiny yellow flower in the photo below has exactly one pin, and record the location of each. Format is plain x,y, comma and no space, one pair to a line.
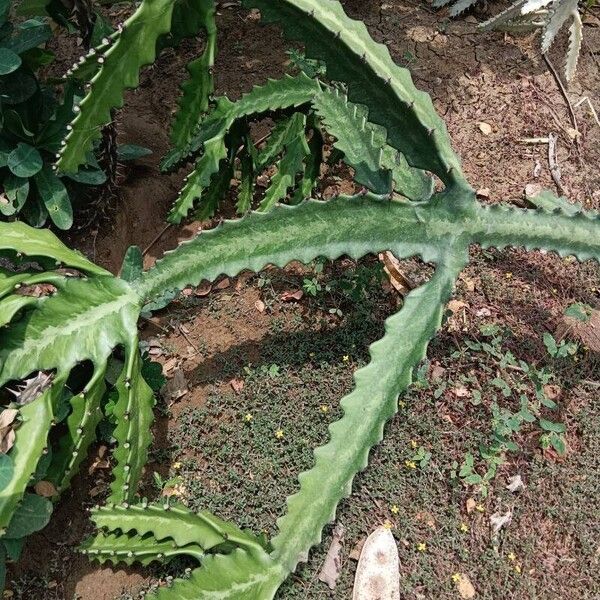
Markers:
395,509
508,275
177,465
324,408
554,290
413,443
422,547
518,569
410,464
388,525
511,556
480,508
456,577
401,403
279,434
248,418
464,527
346,358
311,354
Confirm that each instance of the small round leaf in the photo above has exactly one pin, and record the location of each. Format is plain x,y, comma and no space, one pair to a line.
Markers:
33,515
24,161
55,197
9,61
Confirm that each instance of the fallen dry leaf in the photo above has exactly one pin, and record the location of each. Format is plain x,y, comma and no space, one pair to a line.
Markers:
400,282
45,489
7,439
237,385
485,128
552,392
169,366
470,505
332,567
469,283
498,521
483,192
355,553
515,484
465,587
260,306
37,290
177,387
203,289
96,490
460,391
456,306
533,189
587,332
7,416
289,296
426,517
437,372
223,284
29,389
483,312
378,570
176,491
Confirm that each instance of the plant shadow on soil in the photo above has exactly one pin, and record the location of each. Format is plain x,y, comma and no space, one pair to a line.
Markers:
242,471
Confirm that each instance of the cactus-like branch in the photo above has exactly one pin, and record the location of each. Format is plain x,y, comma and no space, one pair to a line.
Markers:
197,89
377,165
81,425
130,549
301,233
30,444
373,79
120,67
290,165
174,522
133,413
366,410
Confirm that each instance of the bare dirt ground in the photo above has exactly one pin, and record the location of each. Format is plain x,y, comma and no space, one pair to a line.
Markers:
221,337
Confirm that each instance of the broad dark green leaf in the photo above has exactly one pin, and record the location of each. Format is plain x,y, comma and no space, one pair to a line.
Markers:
32,515
16,190
37,57
9,61
13,123
13,548
131,152
4,7
17,87
133,264
88,176
55,197
35,213
32,8
24,161
29,34
5,150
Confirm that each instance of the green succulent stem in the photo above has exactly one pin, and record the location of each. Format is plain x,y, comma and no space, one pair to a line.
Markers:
329,229
366,410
